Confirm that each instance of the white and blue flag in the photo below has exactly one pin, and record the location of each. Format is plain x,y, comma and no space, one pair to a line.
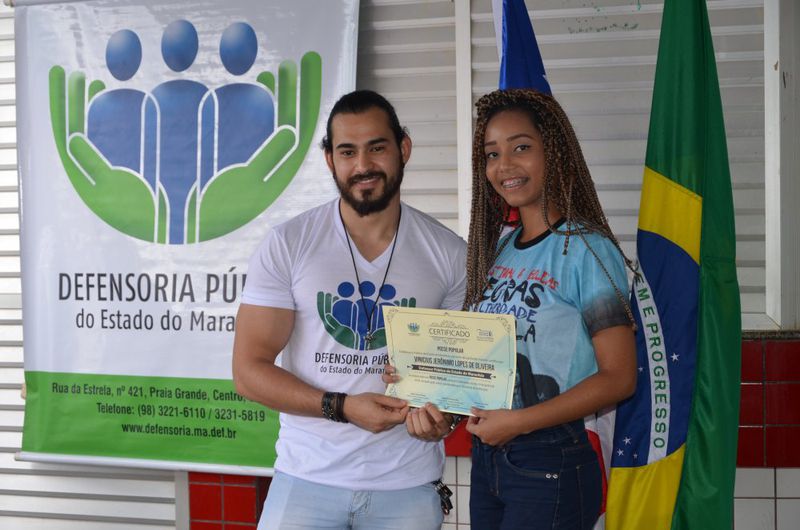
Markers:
520,61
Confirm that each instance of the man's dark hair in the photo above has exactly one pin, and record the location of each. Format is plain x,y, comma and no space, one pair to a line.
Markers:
360,101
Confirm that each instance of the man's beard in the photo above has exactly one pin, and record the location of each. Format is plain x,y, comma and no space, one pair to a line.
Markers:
369,204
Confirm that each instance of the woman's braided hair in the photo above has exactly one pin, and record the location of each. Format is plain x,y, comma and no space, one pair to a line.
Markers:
567,184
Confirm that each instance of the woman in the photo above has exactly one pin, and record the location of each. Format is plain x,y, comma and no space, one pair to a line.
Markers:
561,272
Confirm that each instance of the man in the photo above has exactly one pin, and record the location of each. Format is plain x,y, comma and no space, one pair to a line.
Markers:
315,290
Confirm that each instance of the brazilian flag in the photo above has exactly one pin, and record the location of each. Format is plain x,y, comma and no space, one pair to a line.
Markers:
674,456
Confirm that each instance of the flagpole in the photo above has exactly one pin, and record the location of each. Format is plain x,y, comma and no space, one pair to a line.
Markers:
464,113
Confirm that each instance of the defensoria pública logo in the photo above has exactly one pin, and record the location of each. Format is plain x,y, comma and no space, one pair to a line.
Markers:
348,316
184,162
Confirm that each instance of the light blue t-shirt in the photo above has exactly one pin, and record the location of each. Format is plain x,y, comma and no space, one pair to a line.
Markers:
559,301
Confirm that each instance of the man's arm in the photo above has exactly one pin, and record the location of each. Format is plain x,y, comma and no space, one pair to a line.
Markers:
261,334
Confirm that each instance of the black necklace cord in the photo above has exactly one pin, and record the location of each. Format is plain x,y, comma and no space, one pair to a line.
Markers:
369,337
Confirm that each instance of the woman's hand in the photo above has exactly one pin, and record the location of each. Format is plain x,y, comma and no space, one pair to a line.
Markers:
494,427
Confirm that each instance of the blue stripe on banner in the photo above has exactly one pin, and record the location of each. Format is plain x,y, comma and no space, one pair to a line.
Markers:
521,64
653,423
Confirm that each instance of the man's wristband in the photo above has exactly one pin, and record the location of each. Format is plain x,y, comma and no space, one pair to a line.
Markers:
333,406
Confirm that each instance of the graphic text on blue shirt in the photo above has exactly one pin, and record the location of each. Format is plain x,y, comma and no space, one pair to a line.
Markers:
518,293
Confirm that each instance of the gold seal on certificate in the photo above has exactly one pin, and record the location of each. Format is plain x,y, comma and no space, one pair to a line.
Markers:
453,359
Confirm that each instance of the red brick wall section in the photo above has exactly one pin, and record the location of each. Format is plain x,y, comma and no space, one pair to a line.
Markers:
769,436
769,417
751,409
225,502
782,403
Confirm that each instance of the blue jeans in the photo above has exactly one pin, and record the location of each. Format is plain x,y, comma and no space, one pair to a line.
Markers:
548,479
293,503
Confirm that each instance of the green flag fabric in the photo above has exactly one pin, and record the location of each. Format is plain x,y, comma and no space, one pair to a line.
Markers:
674,457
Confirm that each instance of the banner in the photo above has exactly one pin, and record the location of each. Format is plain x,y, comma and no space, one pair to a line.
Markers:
158,143
674,458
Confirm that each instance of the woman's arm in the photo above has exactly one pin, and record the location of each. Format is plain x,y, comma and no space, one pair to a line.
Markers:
615,380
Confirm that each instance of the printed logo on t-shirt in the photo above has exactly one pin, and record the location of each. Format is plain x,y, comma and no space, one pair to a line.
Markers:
346,314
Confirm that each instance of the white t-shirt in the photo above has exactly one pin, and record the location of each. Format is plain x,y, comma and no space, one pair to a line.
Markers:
305,265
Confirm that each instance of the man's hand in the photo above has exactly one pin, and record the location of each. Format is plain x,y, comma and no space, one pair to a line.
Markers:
428,423
375,412
494,427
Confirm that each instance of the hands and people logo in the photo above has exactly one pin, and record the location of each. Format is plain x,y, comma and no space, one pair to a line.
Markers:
184,162
345,314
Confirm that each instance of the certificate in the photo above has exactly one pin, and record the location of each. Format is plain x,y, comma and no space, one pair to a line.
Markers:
453,359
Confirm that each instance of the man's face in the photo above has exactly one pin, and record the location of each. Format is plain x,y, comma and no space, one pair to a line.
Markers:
365,160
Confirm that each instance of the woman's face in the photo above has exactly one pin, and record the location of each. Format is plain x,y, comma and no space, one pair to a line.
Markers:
515,162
